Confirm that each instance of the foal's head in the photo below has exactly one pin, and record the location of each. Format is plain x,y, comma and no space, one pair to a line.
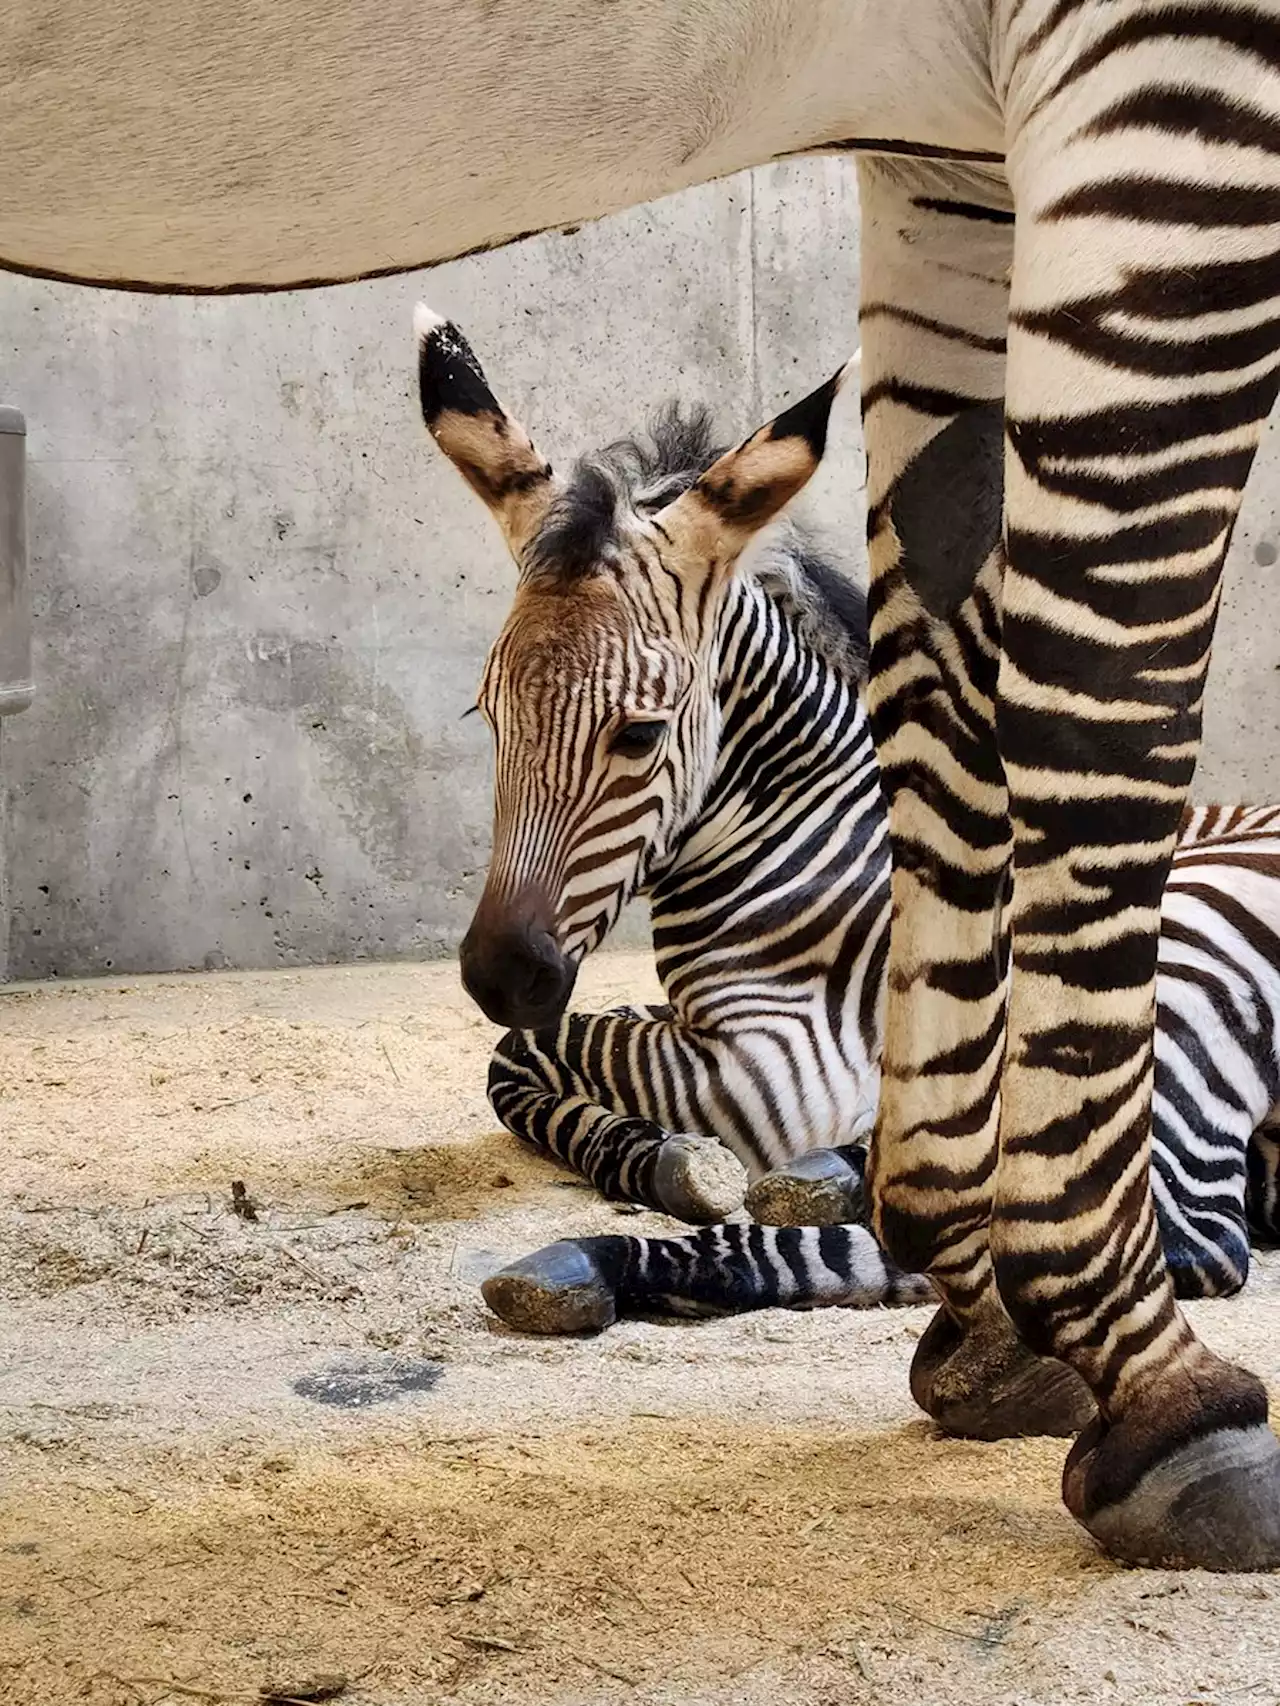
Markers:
600,691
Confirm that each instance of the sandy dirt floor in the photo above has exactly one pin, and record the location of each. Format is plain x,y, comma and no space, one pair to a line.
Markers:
240,1457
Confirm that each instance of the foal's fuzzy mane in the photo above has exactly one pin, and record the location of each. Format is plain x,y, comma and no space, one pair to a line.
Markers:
581,533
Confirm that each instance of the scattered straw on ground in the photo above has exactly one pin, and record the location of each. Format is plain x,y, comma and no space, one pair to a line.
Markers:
236,1451
655,1554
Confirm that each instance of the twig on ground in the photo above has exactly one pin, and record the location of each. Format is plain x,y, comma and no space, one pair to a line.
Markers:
183,1688
349,1287
945,1628
86,1597
391,1063
299,1690
602,1665
321,1688
121,1682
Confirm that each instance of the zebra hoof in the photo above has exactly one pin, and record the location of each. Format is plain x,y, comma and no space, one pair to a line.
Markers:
698,1180
818,1189
558,1289
1212,1503
984,1383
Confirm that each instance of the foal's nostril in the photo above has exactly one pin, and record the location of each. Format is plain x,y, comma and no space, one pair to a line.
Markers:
544,986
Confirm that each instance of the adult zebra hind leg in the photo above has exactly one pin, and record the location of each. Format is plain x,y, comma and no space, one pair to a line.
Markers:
937,250
1142,365
601,1093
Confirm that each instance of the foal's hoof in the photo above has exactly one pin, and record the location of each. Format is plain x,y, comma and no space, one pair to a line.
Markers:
985,1384
1211,1502
818,1189
558,1289
698,1180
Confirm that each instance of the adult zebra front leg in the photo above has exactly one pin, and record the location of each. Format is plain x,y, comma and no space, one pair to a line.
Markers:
608,1094
1135,403
1135,398
937,248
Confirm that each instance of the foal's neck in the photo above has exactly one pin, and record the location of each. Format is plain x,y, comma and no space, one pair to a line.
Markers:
794,805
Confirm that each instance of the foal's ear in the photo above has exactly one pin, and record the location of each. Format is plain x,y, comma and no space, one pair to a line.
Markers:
488,448
747,487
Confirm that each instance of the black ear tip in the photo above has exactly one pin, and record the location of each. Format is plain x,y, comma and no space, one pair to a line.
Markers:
449,376
809,418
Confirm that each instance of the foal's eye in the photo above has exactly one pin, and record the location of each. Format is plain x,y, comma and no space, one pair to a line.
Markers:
638,739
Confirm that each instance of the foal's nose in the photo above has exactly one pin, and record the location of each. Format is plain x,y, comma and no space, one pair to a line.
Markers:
515,973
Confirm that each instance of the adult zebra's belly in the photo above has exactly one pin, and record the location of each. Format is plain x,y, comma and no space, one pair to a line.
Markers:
173,145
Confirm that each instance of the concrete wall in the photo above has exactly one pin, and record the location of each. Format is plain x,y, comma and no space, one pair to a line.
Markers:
261,603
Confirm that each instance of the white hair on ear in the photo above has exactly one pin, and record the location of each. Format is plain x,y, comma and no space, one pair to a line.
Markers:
426,321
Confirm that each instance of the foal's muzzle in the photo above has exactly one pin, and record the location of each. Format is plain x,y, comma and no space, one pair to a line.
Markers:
512,968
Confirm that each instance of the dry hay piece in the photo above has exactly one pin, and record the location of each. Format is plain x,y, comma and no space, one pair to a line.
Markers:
301,1691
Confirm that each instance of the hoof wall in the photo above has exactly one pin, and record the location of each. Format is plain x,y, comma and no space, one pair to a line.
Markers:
698,1180
820,1189
1212,1505
988,1385
556,1290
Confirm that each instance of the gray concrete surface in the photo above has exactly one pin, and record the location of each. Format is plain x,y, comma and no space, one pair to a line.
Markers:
16,686
261,602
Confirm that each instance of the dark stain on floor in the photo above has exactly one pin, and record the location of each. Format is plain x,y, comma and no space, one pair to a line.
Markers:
353,1383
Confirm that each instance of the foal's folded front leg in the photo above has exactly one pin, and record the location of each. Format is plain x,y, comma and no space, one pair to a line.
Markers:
822,1188
601,1092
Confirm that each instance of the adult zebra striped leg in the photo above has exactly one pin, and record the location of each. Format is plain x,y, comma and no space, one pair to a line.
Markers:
1141,367
585,1284
937,249
586,1092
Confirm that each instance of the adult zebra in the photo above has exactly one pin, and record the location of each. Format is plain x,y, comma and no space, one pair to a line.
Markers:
664,723
1069,208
